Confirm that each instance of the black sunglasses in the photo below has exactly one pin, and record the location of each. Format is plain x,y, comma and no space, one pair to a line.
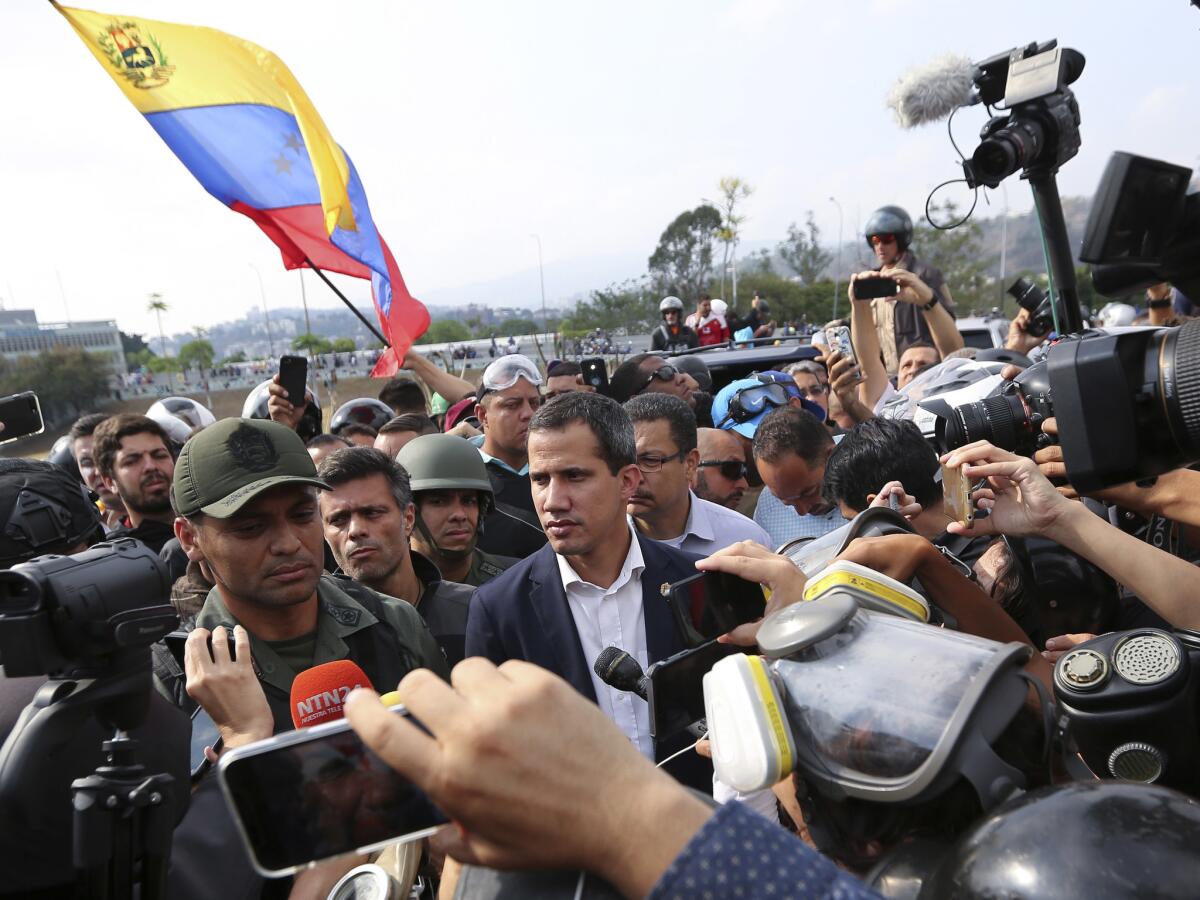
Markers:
733,469
662,373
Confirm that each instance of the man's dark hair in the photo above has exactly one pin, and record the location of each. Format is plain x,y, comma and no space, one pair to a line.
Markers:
608,422
791,430
109,434
403,395
564,367
628,380
417,422
703,296
85,426
327,440
349,431
919,342
679,416
353,463
876,452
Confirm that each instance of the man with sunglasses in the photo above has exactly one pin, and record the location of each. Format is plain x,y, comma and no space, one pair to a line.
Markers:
904,318
663,507
508,396
647,373
720,476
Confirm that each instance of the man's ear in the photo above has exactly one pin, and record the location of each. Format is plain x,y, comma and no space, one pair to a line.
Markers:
691,463
410,520
481,414
186,532
628,480
110,485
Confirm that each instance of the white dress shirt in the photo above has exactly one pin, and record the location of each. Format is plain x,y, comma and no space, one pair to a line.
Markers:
711,527
613,617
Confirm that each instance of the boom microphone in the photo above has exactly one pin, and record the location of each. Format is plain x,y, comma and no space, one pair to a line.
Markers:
618,669
932,91
319,693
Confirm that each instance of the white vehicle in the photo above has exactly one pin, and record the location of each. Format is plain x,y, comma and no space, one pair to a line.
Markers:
983,332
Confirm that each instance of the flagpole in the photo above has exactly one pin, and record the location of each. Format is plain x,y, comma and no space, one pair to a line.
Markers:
354,309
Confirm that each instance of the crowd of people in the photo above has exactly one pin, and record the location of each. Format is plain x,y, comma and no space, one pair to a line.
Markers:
477,546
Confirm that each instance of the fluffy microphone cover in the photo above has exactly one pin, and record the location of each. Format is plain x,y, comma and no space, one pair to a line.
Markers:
932,91
318,693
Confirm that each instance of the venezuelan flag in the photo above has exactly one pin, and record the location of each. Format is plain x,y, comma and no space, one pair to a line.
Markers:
237,117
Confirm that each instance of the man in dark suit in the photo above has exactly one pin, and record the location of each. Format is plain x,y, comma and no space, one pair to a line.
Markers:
597,583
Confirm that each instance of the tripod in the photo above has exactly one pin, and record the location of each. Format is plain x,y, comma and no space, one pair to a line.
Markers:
121,812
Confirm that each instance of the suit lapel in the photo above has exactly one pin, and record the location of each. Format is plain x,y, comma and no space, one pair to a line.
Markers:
662,634
549,602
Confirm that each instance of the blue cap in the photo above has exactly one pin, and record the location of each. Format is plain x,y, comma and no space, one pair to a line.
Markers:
720,407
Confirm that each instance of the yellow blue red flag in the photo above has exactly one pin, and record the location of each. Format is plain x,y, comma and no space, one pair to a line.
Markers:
237,117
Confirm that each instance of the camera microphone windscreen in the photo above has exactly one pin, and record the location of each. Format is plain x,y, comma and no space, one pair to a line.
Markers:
932,91
618,669
319,693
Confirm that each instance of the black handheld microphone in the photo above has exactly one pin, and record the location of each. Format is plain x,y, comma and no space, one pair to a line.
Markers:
618,669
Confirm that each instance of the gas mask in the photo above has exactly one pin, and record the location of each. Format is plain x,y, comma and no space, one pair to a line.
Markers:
1127,704
867,705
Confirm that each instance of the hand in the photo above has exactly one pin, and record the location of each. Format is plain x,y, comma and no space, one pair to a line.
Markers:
898,556
854,278
1020,499
228,689
1051,463
279,408
909,507
844,376
1161,291
753,562
515,757
465,429
912,289
1057,646
1019,339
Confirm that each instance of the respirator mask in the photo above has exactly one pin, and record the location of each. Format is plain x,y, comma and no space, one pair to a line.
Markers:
864,704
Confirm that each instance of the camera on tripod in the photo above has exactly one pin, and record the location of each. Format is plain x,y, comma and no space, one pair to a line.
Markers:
1042,126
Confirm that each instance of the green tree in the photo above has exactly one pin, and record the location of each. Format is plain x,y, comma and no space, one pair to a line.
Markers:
69,381
237,356
959,254
516,326
445,331
314,344
802,250
133,344
158,306
733,192
344,345
196,354
629,306
681,262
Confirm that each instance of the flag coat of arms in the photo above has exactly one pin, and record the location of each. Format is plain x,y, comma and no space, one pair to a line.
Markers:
238,119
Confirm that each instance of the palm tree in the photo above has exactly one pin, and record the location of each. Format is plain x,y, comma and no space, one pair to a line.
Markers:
158,306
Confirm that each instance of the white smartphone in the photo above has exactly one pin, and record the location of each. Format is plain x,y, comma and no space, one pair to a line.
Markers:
311,794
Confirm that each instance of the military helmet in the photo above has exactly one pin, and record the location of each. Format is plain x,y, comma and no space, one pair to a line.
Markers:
446,462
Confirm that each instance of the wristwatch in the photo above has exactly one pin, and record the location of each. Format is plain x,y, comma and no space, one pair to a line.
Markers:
931,304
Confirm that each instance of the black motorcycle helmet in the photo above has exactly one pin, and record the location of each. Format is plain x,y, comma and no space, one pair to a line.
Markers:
361,411
890,220
1109,839
63,456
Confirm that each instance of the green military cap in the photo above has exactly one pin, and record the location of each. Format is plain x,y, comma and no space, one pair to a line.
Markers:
229,463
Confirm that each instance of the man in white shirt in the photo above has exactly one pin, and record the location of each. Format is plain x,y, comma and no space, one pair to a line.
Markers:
663,507
597,583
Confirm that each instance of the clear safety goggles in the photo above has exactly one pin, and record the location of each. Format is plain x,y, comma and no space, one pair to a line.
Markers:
504,372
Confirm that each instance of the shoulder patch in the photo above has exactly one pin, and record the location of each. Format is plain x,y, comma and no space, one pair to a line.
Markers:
343,615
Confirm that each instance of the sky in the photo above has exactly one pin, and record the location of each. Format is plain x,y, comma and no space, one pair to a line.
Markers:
475,125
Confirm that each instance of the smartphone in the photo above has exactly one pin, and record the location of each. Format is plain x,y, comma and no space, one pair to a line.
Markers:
176,639
21,416
204,734
595,373
956,491
709,604
293,375
870,288
676,689
314,793
840,342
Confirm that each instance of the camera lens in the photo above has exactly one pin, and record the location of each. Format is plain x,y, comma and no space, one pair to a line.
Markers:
1011,147
1027,294
1001,420
1179,386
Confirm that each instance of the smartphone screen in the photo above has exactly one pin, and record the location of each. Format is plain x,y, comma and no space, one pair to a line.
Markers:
21,415
293,374
870,288
677,689
956,492
595,373
316,793
710,604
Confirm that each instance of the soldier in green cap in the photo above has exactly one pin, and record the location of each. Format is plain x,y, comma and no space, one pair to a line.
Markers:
245,493
453,495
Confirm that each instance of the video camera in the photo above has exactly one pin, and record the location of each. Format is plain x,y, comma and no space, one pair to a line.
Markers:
1127,402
